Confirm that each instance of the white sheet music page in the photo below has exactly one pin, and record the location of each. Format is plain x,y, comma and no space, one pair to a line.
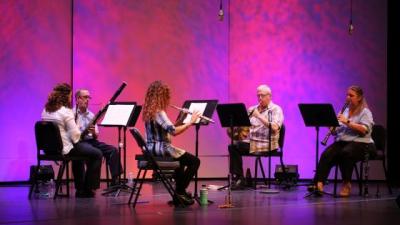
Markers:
117,115
195,106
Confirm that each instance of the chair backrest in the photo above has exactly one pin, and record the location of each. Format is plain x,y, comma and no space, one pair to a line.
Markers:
48,138
139,139
379,136
281,140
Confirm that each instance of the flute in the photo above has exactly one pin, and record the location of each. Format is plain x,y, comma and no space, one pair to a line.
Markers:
189,112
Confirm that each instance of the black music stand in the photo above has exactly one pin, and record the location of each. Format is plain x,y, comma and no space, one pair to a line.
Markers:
207,108
232,115
318,115
121,115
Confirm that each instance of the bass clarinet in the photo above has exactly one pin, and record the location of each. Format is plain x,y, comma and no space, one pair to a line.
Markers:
332,129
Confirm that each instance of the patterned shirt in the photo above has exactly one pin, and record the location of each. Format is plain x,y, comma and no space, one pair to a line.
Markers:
259,133
344,133
158,135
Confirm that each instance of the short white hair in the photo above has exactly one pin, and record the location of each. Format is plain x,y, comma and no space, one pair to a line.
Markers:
264,87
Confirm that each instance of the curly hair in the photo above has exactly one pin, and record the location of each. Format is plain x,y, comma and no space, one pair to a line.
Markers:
60,96
363,103
157,98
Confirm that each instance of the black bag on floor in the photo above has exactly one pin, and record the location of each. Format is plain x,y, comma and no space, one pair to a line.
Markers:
44,173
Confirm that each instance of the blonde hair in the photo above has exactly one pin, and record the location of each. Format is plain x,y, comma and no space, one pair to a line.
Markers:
363,102
157,98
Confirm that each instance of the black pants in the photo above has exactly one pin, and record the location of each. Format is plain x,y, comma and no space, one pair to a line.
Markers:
235,158
109,152
345,154
89,179
189,164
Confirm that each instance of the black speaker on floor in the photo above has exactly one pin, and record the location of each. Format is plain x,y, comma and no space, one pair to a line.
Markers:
290,177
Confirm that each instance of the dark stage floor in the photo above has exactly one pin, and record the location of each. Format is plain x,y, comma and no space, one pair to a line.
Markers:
251,207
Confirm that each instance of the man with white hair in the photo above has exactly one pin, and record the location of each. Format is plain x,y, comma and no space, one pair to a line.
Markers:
266,118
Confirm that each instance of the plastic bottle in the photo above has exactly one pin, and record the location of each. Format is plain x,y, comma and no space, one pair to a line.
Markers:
203,195
130,179
46,189
51,188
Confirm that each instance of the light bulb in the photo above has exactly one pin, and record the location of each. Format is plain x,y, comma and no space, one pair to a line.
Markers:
221,14
351,28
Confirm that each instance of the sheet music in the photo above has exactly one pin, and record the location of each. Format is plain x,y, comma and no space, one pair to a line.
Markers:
117,115
194,106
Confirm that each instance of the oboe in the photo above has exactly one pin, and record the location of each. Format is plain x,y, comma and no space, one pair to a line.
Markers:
189,112
332,129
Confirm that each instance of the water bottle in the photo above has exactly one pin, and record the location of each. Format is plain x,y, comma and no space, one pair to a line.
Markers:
130,179
46,189
203,195
51,188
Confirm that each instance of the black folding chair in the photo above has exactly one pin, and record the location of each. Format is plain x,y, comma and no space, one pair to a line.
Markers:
379,136
49,148
274,153
148,162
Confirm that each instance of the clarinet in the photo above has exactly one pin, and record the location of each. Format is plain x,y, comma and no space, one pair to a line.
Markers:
332,129
102,110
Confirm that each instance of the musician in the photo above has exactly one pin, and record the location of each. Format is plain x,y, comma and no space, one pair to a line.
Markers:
58,110
84,117
353,140
266,119
159,129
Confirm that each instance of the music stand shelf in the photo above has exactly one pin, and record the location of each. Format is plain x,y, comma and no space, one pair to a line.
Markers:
121,115
318,115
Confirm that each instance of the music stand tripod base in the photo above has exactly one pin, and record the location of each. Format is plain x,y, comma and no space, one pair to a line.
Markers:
269,191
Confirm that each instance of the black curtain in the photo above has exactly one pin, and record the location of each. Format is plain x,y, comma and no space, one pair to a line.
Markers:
393,143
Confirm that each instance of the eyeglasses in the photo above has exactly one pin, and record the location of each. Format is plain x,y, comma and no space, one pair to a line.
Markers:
262,95
86,96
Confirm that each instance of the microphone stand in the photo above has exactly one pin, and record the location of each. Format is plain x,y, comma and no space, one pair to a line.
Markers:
269,190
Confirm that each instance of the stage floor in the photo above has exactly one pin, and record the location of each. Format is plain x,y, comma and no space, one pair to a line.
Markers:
251,207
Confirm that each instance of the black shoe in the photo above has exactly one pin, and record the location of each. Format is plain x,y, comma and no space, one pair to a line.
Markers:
182,198
188,194
239,184
311,188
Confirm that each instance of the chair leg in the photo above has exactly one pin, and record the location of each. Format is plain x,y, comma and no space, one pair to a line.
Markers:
34,183
359,178
67,180
335,182
263,172
59,178
283,170
366,173
136,190
256,172
107,176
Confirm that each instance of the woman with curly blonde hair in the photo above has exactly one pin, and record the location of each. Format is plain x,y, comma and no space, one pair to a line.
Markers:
58,110
159,129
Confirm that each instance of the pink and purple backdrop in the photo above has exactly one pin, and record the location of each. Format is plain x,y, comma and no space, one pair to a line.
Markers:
300,48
